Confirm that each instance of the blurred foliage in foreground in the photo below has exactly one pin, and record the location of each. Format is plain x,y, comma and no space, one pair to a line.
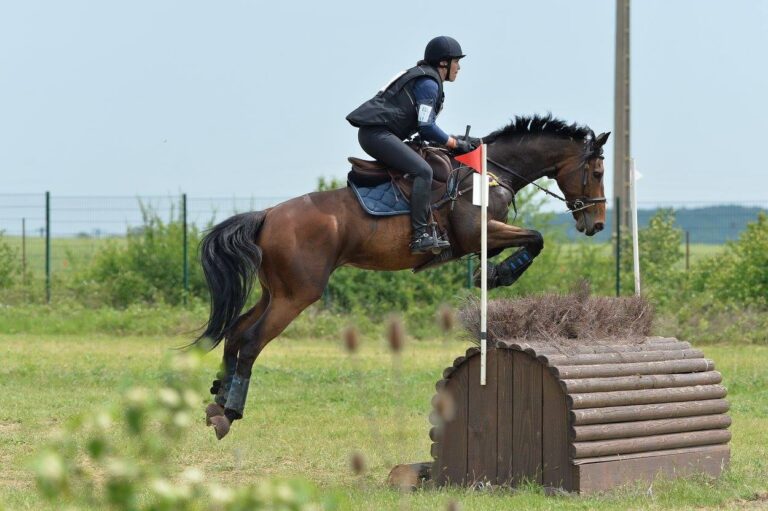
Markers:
88,466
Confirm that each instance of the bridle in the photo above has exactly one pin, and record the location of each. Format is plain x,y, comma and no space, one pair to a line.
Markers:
579,203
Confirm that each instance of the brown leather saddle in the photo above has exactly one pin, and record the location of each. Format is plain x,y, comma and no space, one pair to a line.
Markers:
373,173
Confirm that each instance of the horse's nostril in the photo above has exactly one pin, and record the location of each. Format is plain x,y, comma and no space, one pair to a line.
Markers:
599,226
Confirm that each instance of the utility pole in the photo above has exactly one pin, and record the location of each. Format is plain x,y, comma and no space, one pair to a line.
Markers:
621,147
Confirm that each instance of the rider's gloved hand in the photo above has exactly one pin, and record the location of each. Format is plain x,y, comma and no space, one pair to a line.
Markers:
472,140
463,146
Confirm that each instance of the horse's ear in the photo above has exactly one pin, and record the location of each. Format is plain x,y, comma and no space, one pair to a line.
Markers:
601,139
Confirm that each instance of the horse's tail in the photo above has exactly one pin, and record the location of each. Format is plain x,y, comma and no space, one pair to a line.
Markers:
231,260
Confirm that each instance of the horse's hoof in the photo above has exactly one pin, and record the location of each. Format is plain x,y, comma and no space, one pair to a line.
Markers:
213,410
220,425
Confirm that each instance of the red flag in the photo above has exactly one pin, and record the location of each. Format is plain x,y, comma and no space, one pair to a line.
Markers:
473,159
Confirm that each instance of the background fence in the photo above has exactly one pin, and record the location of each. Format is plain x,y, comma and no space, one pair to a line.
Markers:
52,235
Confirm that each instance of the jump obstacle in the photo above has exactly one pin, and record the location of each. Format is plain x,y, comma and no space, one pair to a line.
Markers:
583,418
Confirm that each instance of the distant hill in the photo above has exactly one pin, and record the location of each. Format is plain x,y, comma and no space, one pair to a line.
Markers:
713,224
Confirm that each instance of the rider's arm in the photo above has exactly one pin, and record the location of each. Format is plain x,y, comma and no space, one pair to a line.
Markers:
425,93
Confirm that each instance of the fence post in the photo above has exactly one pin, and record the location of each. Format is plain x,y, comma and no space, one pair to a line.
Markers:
185,249
24,252
47,247
618,246
470,269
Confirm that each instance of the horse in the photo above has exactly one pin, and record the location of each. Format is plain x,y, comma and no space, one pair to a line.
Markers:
293,247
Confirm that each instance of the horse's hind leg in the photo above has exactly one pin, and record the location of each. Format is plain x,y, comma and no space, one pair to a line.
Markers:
282,309
223,381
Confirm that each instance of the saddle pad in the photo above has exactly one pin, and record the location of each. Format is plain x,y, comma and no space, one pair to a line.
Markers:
381,200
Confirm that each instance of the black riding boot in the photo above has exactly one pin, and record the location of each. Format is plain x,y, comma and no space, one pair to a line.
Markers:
425,238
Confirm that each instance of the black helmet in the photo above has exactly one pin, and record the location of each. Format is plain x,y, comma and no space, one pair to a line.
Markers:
442,48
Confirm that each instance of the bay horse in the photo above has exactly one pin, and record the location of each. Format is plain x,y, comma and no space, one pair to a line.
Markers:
293,247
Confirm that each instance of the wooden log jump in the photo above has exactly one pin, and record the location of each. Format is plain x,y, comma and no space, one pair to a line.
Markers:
579,418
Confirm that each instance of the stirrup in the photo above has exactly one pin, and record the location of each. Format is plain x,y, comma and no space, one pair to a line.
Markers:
425,242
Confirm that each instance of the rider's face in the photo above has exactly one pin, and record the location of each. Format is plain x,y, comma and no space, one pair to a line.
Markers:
449,69
453,69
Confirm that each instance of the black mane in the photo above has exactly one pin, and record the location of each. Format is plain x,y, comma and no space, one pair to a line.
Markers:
525,125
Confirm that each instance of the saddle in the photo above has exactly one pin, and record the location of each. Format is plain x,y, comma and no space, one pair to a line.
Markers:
369,173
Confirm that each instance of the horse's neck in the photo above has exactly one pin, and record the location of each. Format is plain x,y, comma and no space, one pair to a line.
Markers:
531,160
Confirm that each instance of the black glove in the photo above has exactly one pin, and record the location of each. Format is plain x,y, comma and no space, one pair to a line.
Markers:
463,146
466,144
472,140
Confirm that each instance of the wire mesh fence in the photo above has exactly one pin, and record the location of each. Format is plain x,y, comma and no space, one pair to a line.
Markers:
52,236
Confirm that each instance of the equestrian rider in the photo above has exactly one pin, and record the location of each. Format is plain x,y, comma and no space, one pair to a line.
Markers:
409,104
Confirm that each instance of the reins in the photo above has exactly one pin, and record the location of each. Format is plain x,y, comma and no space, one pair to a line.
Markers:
573,206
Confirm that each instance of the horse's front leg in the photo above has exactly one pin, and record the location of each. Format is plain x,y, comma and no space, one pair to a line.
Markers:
502,236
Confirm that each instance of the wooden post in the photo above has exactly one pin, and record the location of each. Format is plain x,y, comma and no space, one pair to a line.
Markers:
618,246
621,113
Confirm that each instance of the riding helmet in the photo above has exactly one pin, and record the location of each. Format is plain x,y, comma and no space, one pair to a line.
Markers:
442,48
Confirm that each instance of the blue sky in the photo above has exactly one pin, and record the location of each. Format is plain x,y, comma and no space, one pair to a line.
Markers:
248,98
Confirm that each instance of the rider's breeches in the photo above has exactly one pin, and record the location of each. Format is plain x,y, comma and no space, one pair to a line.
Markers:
387,148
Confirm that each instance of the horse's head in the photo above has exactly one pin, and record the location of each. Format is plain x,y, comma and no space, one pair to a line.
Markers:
533,147
581,180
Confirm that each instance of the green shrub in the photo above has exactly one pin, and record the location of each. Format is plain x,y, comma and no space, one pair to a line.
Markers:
660,255
740,274
145,268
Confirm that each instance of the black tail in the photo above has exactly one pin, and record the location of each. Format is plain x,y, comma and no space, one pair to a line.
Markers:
231,260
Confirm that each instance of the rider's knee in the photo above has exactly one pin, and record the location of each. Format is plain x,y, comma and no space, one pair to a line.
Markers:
423,172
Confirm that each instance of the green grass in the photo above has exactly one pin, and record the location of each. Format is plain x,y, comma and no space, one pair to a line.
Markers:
698,251
66,253
311,405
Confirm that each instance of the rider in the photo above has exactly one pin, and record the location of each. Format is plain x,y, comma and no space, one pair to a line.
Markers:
406,105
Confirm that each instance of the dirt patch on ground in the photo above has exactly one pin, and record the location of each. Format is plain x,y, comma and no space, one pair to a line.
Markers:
9,427
562,319
756,501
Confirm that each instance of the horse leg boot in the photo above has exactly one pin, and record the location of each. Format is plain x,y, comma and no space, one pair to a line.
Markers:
277,316
501,236
223,381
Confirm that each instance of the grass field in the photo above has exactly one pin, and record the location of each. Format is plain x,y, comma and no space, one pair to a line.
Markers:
311,405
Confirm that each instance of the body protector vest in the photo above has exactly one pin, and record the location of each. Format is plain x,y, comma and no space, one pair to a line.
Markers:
394,106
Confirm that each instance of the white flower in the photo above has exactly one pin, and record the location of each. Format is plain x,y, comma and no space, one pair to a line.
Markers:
169,397
51,467
220,495
137,395
193,475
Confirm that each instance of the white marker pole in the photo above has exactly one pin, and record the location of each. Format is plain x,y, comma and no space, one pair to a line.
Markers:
483,264
635,240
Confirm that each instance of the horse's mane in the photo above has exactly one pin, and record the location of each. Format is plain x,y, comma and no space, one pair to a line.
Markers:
526,125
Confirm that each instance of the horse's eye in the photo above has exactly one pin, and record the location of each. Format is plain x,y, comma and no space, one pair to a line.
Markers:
597,175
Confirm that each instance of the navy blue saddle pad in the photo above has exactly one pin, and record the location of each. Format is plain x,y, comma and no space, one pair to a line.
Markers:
381,200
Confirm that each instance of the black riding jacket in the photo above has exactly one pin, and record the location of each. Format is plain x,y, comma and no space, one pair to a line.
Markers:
395,106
